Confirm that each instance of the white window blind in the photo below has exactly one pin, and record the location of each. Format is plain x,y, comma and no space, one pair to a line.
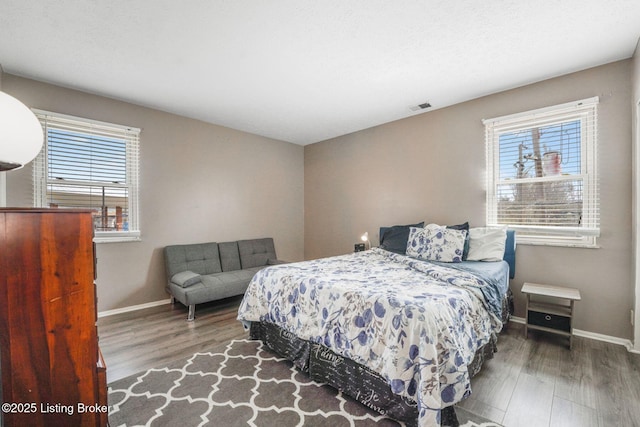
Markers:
542,174
92,165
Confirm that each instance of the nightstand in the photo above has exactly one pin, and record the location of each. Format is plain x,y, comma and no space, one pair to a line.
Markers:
555,316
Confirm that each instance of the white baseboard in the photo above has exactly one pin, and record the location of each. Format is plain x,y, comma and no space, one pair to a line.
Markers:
592,335
133,308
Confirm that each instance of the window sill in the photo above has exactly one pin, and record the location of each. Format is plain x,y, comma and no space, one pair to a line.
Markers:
116,237
568,243
568,237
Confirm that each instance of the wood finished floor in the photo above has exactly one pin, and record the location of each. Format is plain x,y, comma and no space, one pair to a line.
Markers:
529,383
144,339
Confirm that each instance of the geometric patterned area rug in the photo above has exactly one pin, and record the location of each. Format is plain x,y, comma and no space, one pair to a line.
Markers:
240,384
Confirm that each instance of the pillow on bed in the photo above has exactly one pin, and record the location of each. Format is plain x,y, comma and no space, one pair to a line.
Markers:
487,243
394,239
464,226
436,243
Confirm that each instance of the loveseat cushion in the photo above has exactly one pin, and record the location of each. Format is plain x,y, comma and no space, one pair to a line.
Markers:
215,286
229,278
229,256
256,252
200,258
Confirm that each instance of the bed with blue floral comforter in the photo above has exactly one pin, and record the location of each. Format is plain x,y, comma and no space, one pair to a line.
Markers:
418,324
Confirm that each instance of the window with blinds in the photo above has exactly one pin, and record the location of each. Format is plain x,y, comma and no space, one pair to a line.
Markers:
542,175
91,165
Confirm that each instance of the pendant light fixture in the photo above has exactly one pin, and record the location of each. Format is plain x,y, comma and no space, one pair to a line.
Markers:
20,134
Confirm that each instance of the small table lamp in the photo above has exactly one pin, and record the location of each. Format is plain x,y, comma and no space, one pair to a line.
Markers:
365,238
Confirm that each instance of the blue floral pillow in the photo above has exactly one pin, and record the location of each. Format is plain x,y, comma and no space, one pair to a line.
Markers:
436,243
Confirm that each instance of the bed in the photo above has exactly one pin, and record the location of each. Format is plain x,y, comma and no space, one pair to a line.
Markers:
399,333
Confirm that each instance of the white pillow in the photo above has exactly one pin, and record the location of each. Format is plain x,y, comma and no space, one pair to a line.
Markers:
436,243
487,243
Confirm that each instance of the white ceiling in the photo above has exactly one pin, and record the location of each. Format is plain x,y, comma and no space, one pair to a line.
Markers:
307,70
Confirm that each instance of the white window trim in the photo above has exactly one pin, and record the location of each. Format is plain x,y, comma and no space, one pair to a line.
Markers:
585,236
133,177
116,237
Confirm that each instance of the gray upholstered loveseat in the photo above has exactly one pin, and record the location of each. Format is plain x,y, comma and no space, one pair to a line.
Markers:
203,272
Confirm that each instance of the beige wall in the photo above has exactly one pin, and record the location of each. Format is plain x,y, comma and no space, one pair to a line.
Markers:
635,115
636,72
199,182
203,182
431,167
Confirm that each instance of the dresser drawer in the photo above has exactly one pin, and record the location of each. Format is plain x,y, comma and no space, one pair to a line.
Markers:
561,323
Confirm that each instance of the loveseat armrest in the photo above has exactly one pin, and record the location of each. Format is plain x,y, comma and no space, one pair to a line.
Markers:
185,279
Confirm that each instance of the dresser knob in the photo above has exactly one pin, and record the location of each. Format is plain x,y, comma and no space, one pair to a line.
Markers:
547,317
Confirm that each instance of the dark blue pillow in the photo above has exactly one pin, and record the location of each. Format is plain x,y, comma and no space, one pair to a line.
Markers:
394,239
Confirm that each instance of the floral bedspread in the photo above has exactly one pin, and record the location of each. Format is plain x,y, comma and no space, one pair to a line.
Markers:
416,323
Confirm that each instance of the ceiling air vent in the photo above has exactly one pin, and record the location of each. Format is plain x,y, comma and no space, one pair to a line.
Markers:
420,107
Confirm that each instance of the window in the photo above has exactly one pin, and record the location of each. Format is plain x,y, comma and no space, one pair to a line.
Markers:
542,176
91,165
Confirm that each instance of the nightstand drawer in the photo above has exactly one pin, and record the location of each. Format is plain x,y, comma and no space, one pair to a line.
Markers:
561,323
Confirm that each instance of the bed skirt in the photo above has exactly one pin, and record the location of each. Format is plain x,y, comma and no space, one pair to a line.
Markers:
325,366
358,381
354,380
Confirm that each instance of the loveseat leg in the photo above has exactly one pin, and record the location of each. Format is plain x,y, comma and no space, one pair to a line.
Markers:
192,313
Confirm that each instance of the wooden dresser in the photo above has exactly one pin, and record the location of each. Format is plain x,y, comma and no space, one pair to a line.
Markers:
51,368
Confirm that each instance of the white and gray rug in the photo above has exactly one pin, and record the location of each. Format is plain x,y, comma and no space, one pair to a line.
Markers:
240,384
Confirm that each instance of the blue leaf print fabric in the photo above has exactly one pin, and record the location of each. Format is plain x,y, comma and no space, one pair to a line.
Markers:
436,243
416,323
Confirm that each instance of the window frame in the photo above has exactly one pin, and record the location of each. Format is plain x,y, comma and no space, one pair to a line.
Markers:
585,110
131,135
